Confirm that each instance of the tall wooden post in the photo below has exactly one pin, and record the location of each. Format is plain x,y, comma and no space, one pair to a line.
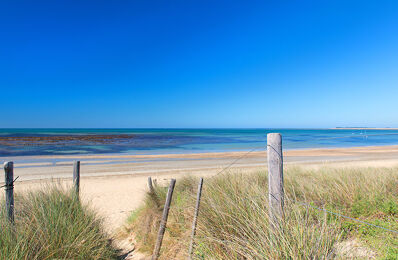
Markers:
163,222
195,217
9,187
275,178
76,176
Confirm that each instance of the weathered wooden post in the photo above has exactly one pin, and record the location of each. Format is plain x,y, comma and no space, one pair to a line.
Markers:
9,187
275,178
195,217
163,221
150,186
76,176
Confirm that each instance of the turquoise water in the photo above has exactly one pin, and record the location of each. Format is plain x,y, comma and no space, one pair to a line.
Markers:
155,141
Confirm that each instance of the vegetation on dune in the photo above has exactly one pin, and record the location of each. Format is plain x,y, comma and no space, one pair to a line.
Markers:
233,219
52,224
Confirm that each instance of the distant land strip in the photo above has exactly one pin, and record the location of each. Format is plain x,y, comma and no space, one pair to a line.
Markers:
366,128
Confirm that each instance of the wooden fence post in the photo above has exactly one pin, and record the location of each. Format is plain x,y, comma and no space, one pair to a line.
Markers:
275,178
76,176
150,185
195,217
9,187
163,221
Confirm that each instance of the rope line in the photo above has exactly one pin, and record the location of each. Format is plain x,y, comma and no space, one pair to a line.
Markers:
280,156
236,160
7,186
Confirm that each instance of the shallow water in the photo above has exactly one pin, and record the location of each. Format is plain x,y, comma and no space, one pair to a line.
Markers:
162,141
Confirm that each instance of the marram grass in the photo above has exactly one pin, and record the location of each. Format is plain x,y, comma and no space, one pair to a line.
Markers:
233,219
52,224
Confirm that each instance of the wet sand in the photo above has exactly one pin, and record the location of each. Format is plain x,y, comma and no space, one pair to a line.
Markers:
116,184
31,168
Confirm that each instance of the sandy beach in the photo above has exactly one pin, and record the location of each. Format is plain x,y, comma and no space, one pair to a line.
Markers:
116,184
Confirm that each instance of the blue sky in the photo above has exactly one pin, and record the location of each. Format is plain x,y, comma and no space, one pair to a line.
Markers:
199,63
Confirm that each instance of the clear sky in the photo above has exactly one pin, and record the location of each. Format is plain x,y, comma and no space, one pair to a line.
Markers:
198,63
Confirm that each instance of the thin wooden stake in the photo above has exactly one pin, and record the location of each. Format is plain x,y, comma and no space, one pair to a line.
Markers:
9,187
195,217
163,222
76,177
275,178
150,186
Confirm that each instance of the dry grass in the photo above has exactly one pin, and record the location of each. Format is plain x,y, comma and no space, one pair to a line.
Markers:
52,224
233,220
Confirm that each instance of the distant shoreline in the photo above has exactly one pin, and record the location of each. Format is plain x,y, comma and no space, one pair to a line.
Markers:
364,128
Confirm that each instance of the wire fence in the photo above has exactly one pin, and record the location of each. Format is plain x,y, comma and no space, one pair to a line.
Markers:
239,158
306,204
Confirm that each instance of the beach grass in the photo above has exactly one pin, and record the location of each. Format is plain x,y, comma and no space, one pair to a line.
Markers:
51,223
233,220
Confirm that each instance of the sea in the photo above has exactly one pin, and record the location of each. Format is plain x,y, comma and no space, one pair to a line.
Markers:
166,141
